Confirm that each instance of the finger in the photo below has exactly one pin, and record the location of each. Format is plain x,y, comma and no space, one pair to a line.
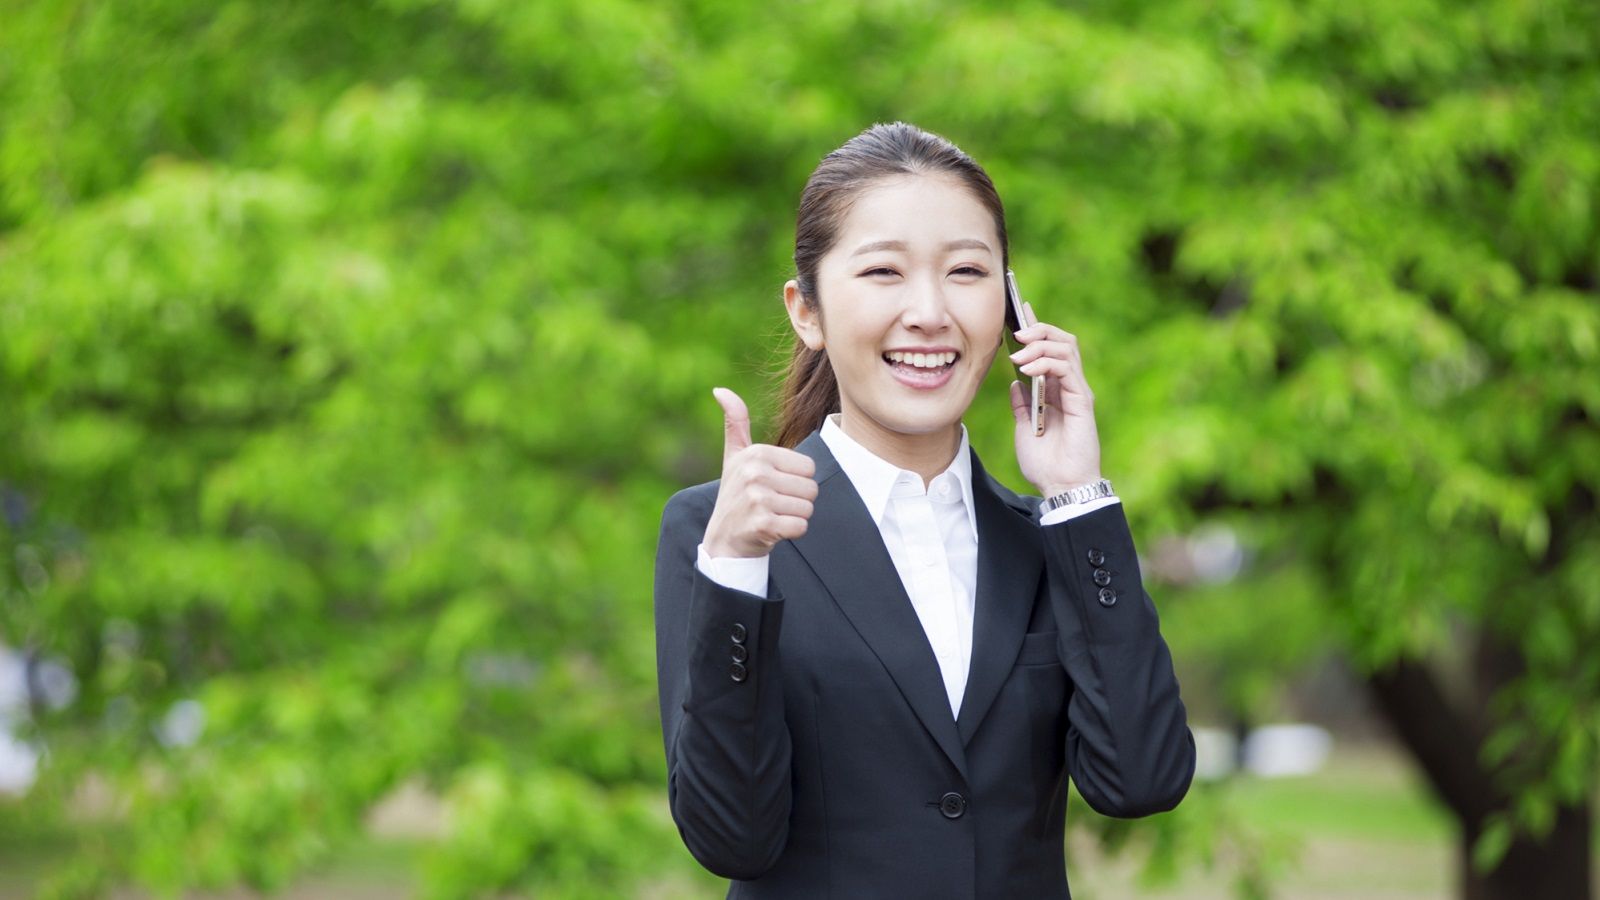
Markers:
1072,378
1063,369
1041,347
799,486
1044,331
778,528
791,461
785,505
735,422
1019,402
1027,310
1068,376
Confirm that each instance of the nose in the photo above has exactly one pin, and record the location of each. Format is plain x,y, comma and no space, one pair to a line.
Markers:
926,310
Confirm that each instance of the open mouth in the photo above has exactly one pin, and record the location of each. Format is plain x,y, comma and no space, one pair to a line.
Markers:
921,370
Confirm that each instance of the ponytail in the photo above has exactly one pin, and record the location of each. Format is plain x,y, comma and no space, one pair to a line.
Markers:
810,394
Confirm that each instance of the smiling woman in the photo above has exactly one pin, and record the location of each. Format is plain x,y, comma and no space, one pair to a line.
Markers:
878,665
913,316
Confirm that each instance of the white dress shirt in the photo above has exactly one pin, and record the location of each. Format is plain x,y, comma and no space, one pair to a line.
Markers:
931,534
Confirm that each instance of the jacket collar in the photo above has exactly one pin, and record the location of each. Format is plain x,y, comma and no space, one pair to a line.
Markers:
874,477
844,549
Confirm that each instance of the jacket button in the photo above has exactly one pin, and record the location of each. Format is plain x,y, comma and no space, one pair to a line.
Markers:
739,633
1108,597
1102,577
952,805
738,672
1096,557
740,654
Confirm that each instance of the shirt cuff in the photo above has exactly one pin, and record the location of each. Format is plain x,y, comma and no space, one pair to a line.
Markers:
741,573
1063,513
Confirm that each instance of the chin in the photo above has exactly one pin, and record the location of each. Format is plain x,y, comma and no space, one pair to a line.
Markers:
929,424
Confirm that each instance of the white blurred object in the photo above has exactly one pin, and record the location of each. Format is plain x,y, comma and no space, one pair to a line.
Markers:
1211,554
54,683
1275,751
1215,553
183,724
53,686
19,763
1215,753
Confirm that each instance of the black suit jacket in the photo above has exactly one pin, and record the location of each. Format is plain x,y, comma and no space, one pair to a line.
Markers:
811,751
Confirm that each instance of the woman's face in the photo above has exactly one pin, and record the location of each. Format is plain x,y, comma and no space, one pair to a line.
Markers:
916,269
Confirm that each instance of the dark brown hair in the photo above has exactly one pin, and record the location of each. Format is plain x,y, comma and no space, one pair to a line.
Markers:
809,391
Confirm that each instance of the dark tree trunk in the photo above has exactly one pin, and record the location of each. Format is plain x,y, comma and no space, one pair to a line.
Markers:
1557,868
1446,742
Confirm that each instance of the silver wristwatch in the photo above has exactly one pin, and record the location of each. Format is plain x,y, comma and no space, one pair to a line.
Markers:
1094,490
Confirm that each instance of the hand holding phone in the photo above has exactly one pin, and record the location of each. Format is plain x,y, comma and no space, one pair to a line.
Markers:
1018,318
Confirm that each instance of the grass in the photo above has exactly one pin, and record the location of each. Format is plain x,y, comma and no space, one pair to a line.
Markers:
1362,794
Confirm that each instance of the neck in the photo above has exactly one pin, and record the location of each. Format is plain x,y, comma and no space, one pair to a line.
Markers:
925,454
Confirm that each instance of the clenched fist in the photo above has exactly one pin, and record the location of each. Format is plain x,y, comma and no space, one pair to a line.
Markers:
766,491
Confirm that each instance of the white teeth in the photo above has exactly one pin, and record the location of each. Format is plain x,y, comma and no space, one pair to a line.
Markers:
922,360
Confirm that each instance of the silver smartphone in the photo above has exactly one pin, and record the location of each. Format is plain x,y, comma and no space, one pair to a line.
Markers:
1017,318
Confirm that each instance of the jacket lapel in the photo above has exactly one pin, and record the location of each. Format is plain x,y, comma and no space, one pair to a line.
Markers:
843,547
1010,558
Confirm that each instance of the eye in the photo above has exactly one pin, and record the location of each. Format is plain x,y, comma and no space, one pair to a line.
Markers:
879,270
970,270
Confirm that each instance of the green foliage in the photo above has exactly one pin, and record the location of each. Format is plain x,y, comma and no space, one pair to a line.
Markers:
348,353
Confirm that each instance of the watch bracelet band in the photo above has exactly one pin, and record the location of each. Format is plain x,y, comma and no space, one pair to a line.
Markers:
1094,490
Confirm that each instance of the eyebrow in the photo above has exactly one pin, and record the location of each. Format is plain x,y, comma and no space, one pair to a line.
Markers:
962,244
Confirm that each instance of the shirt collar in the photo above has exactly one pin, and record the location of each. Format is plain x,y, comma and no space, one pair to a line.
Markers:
874,477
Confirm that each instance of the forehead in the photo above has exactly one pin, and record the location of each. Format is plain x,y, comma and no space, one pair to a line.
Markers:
923,211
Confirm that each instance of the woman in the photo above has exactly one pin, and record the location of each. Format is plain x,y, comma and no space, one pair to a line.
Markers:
878,664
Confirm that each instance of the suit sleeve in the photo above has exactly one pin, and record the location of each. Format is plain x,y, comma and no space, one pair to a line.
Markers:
722,716
1129,748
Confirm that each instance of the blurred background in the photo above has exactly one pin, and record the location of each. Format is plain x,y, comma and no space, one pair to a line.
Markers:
349,351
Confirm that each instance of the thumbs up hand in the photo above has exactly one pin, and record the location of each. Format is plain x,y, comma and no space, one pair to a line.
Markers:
766,492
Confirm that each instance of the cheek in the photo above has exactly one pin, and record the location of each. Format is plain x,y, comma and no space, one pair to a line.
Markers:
986,326
859,328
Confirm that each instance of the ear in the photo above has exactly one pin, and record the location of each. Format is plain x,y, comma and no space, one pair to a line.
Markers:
807,320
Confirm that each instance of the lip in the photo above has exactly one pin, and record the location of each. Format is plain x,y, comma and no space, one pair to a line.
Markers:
954,350
917,382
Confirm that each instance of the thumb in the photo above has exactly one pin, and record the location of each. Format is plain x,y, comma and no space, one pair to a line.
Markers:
1019,402
735,422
